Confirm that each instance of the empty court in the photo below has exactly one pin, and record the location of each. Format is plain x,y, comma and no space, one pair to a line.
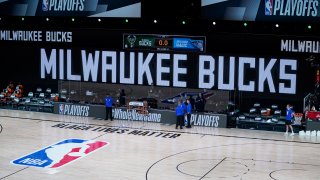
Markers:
153,151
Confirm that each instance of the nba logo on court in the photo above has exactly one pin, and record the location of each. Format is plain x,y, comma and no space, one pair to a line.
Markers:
45,5
268,8
61,153
61,108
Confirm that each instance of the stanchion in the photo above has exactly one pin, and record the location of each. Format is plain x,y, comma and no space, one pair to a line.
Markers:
297,118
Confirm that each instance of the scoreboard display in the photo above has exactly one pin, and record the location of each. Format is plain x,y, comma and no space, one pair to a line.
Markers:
159,42
165,43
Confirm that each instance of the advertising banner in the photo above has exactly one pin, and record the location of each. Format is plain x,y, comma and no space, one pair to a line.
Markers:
83,110
262,10
154,115
74,8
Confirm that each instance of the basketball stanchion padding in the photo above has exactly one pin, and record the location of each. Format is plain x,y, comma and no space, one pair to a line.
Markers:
297,118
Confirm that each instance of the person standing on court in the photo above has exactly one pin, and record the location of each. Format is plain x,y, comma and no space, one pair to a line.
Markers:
122,98
189,110
180,111
184,105
200,103
288,122
108,104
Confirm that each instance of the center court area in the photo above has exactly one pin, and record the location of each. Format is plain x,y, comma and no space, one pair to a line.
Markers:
153,151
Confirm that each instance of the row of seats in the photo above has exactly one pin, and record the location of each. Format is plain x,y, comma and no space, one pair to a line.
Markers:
258,113
38,100
258,110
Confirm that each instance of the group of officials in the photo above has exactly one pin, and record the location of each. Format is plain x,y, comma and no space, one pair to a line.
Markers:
182,110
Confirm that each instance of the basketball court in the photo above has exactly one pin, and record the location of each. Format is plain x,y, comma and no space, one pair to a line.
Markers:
150,151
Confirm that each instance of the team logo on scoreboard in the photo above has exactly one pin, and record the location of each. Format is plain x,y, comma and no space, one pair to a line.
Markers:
131,39
45,5
61,153
198,44
268,8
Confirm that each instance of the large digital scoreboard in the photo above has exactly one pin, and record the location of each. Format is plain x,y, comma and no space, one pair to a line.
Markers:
159,42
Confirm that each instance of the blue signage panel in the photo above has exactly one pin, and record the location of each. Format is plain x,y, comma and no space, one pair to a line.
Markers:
188,44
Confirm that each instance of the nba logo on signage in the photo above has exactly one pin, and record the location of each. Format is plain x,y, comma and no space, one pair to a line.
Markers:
61,153
45,5
268,9
61,109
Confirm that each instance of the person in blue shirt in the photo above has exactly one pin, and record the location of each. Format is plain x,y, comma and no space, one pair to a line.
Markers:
108,104
288,122
180,111
189,110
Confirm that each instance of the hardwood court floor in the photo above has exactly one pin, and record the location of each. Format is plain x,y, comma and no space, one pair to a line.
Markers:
151,151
